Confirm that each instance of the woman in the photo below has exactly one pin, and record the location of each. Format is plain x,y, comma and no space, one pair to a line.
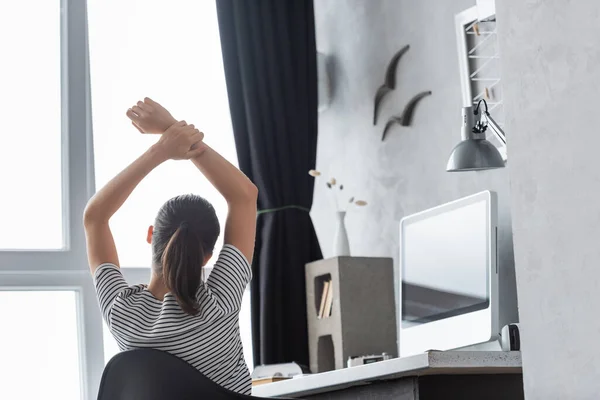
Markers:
177,312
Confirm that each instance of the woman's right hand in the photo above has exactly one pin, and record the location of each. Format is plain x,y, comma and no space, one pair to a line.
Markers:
181,142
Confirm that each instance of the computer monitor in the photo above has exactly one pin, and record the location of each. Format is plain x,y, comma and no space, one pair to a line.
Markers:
449,276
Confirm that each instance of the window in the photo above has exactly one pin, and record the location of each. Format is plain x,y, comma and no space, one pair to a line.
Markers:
246,330
30,104
51,336
40,355
138,48
111,348
173,55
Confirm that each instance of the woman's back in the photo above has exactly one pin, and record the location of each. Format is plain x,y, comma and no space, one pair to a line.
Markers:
194,320
209,341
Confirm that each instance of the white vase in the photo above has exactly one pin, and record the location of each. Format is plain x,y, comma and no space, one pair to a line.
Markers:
341,246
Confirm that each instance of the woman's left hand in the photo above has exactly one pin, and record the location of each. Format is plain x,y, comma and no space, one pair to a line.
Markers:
150,117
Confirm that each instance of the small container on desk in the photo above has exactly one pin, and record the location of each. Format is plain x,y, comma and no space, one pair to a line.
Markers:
350,310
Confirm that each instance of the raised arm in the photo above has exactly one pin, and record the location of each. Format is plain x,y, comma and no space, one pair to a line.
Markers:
174,144
239,192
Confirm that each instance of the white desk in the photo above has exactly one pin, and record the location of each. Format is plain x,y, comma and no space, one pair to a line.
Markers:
432,363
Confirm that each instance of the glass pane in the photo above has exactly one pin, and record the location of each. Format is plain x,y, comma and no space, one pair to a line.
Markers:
30,133
110,344
39,347
171,54
246,329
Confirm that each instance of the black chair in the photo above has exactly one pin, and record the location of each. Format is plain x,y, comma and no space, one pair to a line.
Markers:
148,374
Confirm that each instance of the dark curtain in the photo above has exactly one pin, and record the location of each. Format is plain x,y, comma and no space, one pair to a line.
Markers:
269,55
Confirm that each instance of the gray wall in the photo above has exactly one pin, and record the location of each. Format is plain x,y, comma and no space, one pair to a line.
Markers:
406,173
550,55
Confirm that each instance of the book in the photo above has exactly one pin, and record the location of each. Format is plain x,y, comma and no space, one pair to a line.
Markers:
262,381
329,300
323,299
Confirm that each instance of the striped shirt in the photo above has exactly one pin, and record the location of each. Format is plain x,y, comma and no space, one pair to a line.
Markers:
210,341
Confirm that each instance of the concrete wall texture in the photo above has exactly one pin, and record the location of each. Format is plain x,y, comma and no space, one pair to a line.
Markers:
550,57
406,173
550,54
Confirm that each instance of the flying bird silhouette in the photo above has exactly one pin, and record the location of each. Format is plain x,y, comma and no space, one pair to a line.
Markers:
405,119
389,82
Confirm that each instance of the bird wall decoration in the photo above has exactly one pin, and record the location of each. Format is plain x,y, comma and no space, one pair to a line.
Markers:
389,84
404,119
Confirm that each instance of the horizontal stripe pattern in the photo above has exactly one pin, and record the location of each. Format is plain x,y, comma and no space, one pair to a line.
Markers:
209,341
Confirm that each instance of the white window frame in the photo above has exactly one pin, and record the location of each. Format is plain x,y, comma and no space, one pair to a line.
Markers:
67,268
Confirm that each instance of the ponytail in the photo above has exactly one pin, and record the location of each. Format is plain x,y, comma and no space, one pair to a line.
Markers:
182,262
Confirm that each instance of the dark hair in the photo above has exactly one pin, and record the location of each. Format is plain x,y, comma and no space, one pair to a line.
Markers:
185,231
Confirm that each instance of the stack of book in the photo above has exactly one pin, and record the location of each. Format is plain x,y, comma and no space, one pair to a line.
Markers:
326,300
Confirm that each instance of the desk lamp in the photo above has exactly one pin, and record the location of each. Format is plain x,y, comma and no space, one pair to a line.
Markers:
475,152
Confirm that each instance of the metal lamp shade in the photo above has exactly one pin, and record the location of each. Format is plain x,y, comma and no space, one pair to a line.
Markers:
474,155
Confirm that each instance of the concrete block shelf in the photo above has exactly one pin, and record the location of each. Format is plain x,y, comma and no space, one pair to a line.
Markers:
363,311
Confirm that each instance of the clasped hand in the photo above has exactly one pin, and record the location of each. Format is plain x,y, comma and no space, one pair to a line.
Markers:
179,141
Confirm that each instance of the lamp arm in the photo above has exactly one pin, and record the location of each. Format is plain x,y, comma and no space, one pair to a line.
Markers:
495,128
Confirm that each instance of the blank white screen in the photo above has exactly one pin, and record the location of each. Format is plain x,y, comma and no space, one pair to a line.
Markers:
445,263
